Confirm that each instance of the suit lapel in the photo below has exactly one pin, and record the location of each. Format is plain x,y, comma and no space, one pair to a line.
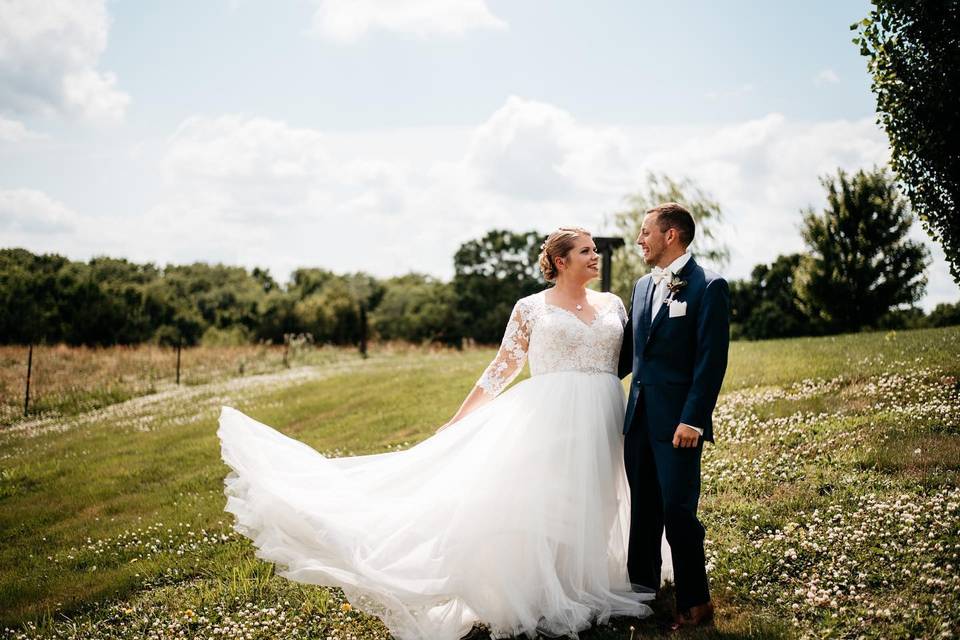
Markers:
657,319
647,299
662,311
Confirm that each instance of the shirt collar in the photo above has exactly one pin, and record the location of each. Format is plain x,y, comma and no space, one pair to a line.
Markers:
678,264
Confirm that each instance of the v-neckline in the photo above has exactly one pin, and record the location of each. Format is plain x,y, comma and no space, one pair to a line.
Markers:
596,314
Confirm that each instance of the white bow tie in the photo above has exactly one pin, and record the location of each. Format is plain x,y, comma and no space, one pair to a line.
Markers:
661,275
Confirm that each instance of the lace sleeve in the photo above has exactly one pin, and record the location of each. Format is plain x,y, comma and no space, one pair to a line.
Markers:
512,355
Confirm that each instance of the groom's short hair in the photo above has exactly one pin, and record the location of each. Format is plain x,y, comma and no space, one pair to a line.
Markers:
671,215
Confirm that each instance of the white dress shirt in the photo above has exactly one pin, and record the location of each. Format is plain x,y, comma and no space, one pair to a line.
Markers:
660,294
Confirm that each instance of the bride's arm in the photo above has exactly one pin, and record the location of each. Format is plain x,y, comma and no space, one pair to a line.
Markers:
474,400
503,369
625,361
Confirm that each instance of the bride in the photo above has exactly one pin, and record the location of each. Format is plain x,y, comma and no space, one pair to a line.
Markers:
514,514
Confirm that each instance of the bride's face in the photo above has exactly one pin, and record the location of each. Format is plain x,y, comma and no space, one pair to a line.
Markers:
582,263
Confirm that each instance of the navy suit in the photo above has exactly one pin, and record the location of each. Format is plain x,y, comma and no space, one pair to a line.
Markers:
678,366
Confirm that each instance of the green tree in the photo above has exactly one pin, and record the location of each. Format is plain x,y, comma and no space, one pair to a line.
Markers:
944,315
266,281
328,305
767,305
29,301
861,266
277,316
418,308
304,282
109,301
490,275
913,55
126,316
225,295
49,298
331,313
628,264
96,315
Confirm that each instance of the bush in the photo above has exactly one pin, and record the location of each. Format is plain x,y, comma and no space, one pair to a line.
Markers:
944,315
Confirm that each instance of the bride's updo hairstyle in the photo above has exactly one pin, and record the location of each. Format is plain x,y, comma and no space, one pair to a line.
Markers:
557,245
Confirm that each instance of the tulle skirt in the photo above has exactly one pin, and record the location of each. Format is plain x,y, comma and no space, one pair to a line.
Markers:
516,516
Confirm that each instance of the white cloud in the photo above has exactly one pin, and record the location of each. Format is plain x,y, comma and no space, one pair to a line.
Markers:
940,284
731,93
48,57
235,147
16,131
259,191
765,171
261,169
32,213
826,76
536,151
256,191
347,21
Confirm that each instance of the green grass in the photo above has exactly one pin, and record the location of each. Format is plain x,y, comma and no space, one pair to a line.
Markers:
830,497
783,362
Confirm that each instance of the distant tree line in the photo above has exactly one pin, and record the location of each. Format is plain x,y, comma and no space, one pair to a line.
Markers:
113,301
860,272
108,301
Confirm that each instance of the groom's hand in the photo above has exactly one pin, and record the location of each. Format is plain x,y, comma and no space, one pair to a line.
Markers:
685,436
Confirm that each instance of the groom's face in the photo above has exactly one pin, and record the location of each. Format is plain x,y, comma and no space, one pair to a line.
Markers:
652,241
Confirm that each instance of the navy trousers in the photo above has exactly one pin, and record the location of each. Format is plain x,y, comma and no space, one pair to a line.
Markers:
664,492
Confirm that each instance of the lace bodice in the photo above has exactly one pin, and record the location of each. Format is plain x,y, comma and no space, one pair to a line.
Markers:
554,339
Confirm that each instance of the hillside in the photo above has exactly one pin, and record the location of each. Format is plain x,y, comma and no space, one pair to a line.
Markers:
831,498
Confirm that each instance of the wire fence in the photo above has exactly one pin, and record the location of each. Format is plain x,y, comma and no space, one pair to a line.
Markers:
37,379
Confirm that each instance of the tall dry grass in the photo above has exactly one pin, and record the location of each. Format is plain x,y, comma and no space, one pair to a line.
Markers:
68,380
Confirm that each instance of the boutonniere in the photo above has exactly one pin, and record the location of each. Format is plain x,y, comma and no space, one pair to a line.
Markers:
674,285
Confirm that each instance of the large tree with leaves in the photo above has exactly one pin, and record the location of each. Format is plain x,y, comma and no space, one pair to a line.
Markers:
913,53
418,308
628,264
767,305
861,265
490,275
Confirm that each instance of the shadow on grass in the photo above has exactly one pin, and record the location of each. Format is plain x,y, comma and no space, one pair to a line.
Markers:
730,623
917,456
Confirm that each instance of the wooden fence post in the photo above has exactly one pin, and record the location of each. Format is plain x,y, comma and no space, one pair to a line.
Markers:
26,397
363,329
605,247
179,341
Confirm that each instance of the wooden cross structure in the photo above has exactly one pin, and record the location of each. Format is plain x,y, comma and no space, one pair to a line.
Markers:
605,247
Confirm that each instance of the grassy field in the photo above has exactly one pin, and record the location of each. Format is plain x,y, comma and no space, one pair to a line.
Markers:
68,380
831,498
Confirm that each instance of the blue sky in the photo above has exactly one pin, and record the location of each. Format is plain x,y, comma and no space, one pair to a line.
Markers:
364,134
623,62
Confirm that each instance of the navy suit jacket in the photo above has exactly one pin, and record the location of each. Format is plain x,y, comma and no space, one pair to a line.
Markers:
677,363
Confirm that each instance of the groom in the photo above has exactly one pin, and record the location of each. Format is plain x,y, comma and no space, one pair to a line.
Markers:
675,345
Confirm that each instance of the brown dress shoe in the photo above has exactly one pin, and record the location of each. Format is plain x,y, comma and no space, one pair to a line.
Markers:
698,616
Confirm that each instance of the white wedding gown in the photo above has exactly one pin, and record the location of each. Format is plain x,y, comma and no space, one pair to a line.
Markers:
515,516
